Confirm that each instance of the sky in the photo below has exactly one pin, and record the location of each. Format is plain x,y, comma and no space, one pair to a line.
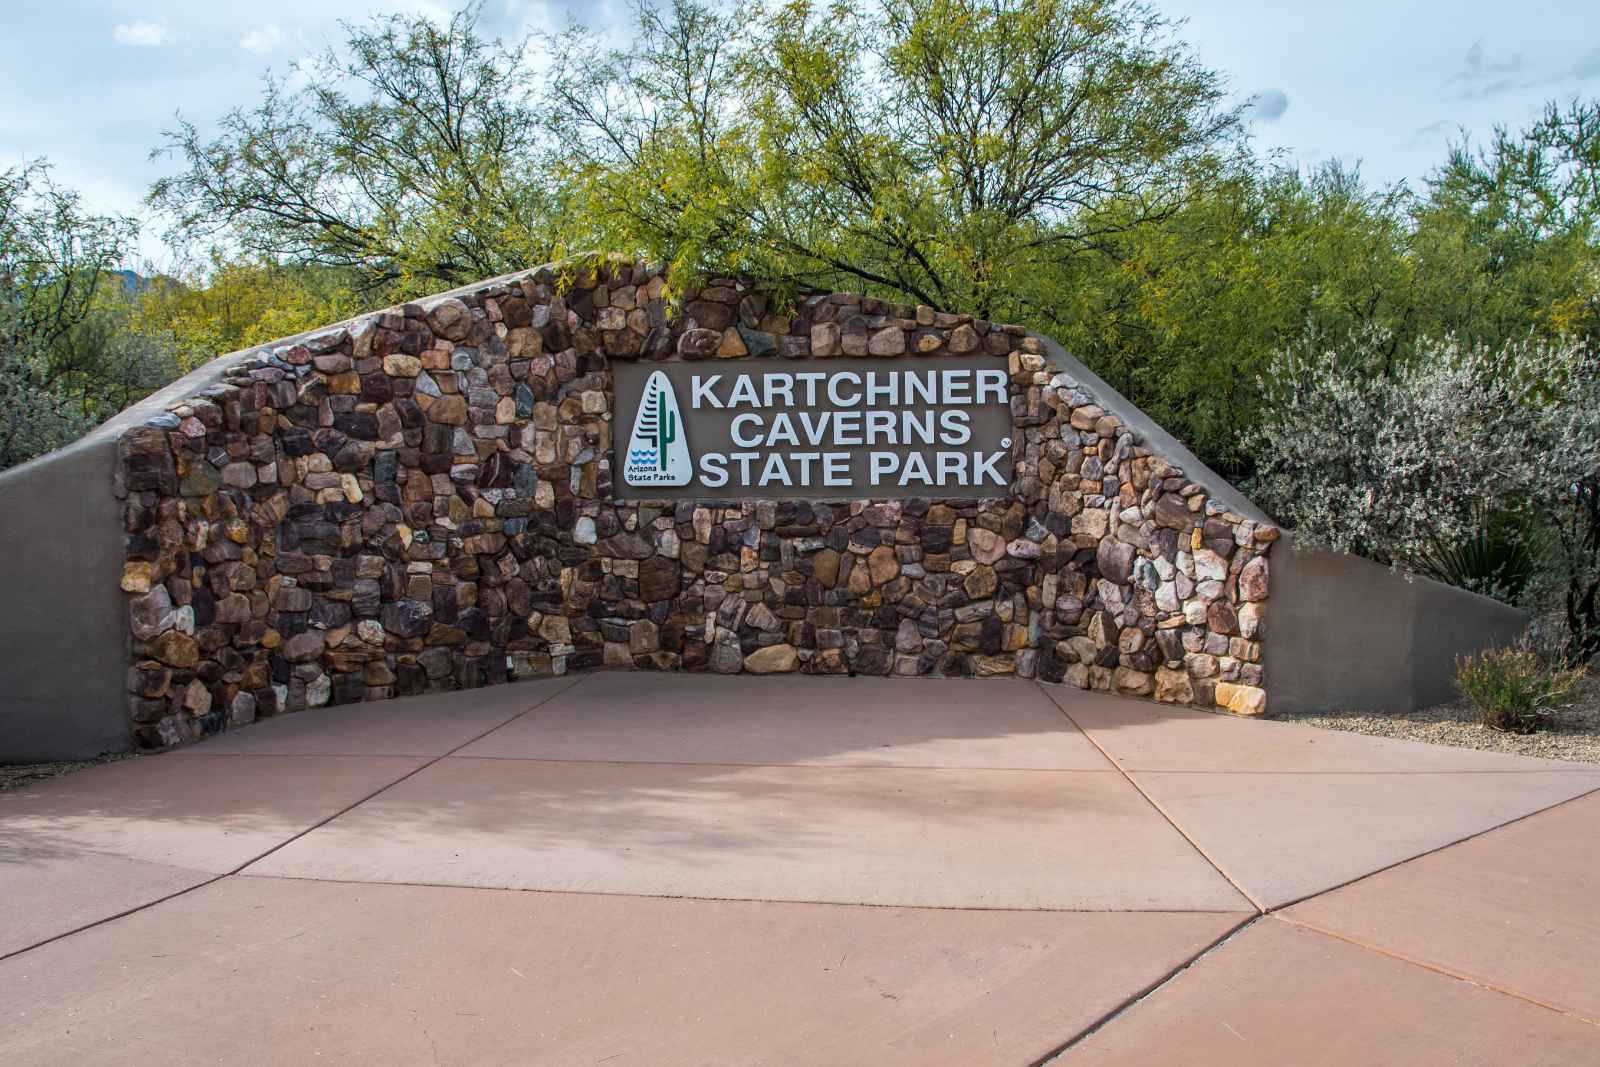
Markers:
1385,85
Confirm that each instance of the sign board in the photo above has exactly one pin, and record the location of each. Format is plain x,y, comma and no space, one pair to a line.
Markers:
814,429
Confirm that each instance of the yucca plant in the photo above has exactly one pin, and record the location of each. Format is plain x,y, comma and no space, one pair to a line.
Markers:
1498,557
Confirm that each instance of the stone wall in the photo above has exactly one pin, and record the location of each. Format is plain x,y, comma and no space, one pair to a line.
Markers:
421,500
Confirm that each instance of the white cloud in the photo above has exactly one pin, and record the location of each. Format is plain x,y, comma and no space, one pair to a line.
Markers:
263,39
1268,105
141,34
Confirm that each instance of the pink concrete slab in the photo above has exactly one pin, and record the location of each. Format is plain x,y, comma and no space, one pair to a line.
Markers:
945,838
204,813
45,892
1515,909
428,725
1285,836
1142,736
262,971
1280,994
806,720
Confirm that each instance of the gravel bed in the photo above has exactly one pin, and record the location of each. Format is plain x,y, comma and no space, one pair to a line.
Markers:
18,775
1573,733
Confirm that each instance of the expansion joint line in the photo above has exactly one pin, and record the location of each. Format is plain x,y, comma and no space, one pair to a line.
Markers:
1261,909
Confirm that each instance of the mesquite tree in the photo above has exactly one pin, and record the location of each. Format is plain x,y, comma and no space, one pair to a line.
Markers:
946,152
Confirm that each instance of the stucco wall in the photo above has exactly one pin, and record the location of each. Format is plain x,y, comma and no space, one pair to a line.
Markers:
1350,633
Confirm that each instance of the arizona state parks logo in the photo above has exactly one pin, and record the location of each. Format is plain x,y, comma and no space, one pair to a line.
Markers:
658,453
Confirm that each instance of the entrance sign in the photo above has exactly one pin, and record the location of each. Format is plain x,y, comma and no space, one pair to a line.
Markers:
813,429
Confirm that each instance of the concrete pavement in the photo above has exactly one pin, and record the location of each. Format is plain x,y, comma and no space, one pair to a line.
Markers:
636,868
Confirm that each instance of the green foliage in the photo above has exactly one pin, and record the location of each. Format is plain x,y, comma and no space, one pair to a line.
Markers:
67,357
408,157
234,304
1512,688
954,153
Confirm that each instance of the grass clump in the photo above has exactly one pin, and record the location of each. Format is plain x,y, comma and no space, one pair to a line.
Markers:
1512,688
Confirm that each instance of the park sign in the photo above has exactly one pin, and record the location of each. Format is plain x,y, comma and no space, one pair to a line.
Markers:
812,429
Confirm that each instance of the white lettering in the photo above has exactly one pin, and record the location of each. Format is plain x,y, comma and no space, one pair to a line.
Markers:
744,392
805,459
782,431
775,471
881,463
922,390
888,391
851,377
952,468
955,427
739,438
847,427
744,459
956,384
811,378
815,431
836,468
982,464
714,470
992,381
921,427
916,469
702,391
881,424
776,385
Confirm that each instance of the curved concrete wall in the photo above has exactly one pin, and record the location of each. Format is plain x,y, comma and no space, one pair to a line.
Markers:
1349,633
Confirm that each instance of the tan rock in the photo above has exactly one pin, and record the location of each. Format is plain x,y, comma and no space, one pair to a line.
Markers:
1241,699
990,666
1173,686
889,341
1134,683
774,659
399,365
986,545
137,576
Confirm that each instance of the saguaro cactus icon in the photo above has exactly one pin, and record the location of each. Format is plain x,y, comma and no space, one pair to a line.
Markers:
666,433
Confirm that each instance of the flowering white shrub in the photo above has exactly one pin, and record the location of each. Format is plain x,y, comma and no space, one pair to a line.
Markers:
1394,456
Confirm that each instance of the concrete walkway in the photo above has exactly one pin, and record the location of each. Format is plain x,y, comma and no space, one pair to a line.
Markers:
677,869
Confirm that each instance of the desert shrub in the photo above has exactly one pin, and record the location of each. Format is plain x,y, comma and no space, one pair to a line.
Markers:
1512,688
1396,455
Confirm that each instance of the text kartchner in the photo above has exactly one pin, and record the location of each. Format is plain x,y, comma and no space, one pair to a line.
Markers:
813,428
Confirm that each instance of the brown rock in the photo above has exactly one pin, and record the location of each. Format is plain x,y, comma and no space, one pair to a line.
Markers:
1172,512
176,649
981,583
825,566
1253,580
450,319
450,409
883,565
658,579
889,341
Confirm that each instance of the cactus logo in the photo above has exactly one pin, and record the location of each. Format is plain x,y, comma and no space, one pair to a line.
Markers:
658,454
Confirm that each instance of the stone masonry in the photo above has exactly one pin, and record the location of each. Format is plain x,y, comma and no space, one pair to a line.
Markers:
421,500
